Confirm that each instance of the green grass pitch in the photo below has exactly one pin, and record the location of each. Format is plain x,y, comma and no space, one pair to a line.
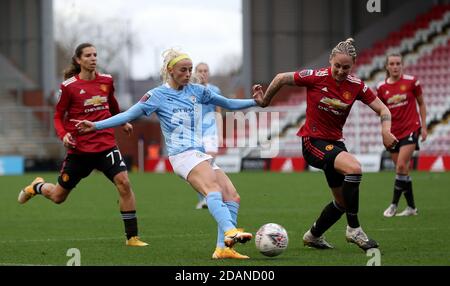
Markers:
40,232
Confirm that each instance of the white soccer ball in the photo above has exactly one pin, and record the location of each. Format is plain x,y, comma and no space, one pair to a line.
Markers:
271,239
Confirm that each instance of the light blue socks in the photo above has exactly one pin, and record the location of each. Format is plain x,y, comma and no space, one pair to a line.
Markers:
233,207
219,211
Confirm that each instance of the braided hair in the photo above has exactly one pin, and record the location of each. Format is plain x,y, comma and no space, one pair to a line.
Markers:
346,47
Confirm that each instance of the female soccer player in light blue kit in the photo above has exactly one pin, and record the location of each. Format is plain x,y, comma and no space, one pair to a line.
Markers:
178,103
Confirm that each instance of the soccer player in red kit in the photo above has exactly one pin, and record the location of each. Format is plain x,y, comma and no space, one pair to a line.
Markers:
331,93
400,92
87,94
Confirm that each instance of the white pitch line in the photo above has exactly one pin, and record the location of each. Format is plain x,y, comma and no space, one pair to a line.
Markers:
98,238
150,237
58,239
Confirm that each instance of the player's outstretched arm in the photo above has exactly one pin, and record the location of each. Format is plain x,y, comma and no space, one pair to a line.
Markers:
278,82
231,104
132,113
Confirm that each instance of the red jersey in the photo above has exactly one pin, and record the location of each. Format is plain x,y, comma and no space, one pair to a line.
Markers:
86,99
400,98
328,103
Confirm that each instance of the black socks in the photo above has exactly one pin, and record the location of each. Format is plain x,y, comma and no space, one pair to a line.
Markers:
38,187
350,191
130,222
329,216
403,183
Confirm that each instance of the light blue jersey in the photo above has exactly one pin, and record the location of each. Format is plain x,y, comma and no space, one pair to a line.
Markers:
209,127
179,113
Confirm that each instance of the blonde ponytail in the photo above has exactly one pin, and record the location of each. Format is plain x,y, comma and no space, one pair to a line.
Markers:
170,56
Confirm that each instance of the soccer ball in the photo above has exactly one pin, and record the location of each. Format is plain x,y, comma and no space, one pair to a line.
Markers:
271,239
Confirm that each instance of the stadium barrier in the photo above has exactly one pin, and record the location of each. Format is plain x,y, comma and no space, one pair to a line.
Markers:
256,164
297,164
229,163
434,163
158,165
369,163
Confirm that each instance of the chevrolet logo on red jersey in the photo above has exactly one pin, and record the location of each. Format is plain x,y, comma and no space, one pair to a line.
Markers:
95,100
334,103
396,98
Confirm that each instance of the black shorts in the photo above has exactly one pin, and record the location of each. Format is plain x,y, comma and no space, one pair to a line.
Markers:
412,138
321,154
78,166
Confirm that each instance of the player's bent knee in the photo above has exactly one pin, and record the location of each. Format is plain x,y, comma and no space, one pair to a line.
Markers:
353,169
212,187
402,169
123,183
59,199
339,203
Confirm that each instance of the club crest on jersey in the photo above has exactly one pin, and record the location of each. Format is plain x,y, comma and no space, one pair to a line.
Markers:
329,147
95,100
104,87
334,103
403,87
347,95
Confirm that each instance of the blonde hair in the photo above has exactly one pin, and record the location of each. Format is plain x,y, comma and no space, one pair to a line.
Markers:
346,47
169,55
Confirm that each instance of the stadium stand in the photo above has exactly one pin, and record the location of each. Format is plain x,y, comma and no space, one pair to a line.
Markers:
22,131
26,131
425,46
